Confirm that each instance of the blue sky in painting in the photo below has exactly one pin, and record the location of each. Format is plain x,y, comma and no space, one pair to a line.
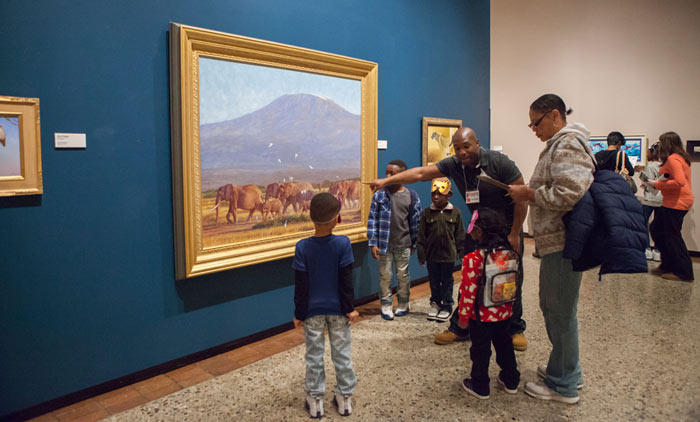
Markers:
228,90
9,154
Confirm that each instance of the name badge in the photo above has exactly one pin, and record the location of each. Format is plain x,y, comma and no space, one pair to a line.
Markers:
472,197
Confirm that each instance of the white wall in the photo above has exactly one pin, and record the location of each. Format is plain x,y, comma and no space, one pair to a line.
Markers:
627,65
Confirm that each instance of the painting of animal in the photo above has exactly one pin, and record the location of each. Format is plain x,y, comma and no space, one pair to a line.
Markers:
273,207
347,192
289,194
272,191
248,197
303,200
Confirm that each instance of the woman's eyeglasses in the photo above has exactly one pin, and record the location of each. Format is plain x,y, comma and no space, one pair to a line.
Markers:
535,124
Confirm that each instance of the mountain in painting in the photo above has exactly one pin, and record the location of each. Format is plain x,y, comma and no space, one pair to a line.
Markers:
294,134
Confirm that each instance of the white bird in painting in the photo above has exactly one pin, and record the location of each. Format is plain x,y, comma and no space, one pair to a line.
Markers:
296,155
279,161
310,167
291,178
3,138
271,144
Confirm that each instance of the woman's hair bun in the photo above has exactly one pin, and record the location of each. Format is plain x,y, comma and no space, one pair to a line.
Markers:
569,111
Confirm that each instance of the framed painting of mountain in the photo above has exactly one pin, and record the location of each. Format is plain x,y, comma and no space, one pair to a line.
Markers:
257,129
20,147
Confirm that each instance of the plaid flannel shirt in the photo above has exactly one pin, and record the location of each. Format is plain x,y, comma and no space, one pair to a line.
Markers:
379,221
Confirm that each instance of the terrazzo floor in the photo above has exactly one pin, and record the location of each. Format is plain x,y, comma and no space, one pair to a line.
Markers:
639,346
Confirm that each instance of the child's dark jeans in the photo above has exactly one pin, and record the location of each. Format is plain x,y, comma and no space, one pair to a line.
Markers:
441,284
482,335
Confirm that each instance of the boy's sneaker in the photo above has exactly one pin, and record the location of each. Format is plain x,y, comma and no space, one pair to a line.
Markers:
402,309
343,404
432,313
655,255
467,385
540,391
315,406
443,316
387,313
648,254
505,387
542,372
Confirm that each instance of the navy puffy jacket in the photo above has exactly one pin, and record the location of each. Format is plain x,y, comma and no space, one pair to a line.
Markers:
607,228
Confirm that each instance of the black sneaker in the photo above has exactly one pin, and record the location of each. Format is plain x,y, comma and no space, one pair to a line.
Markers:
467,385
505,387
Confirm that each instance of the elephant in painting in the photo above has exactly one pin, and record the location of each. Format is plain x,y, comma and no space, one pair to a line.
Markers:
272,191
272,206
289,194
248,197
347,192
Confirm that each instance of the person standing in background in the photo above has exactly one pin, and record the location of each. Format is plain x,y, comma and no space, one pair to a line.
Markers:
677,200
651,198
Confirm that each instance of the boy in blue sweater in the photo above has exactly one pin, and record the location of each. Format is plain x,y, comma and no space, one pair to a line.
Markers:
323,299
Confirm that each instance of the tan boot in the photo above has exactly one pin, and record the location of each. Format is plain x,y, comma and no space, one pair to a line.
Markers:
519,342
448,337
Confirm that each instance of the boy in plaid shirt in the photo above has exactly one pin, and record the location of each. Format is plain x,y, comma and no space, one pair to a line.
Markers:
392,230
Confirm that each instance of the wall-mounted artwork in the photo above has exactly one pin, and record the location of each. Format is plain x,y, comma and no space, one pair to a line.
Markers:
258,128
20,147
635,147
693,148
437,138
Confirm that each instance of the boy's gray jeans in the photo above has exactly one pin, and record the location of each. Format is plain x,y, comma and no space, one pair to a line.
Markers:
399,258
339,338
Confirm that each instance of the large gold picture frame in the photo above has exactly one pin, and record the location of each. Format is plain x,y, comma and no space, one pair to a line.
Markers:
437,138
20,147
236,162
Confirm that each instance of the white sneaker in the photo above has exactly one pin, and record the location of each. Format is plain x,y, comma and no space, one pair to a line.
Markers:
387,312
656,255
432,313
648,254
402,309
540,391
443,316
315,406
343,404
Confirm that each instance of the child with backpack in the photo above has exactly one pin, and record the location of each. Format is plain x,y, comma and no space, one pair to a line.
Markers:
487,291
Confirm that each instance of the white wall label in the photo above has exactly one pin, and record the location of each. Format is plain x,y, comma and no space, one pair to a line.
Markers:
69,140
382,143
498,148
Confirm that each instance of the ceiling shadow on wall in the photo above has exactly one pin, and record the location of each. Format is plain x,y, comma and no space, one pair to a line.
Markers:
214,289
20,201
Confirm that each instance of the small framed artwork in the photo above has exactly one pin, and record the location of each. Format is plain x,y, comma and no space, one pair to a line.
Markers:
635,147
20,147
693,148
437,138
258,128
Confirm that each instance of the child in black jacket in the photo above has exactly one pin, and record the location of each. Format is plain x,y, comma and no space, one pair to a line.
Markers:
440,235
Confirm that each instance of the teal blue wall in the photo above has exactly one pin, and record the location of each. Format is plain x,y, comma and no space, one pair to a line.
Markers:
87,288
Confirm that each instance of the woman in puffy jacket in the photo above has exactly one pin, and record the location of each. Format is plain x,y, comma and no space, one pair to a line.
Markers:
674,184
